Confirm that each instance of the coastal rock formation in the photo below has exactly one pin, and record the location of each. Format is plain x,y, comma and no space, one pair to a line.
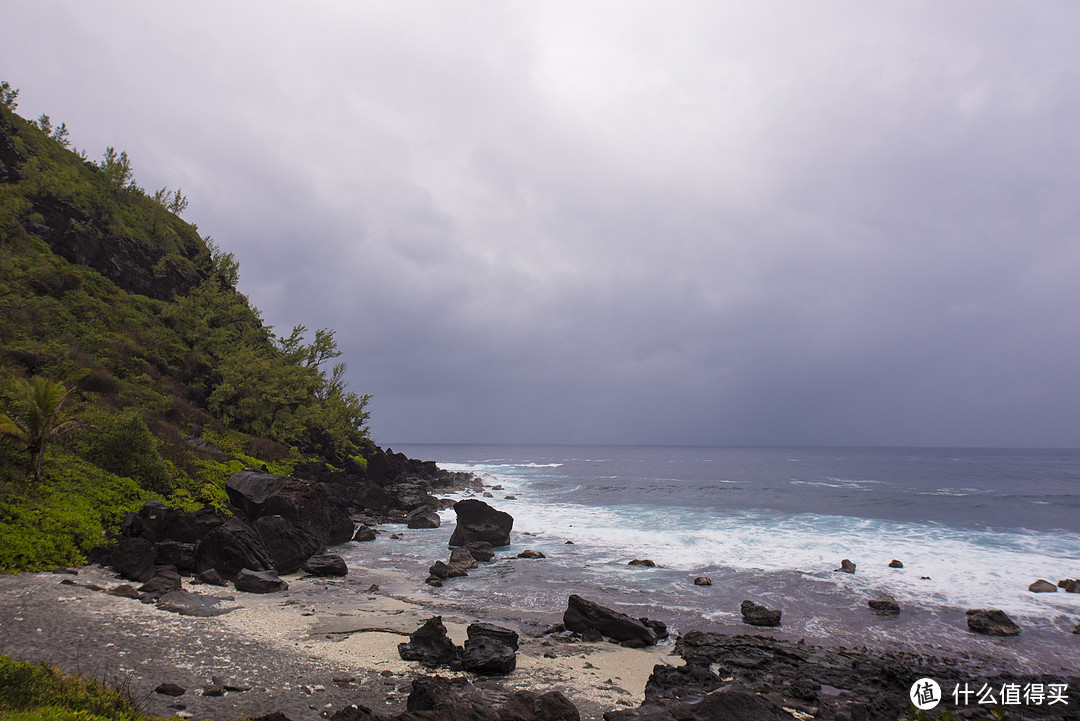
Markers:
249,489
490,649
895,564
439,699
364,534
702,581
846,566
991,622
884,603
583,616
134,558
482,551
165,579
477,521
757,615
287,545
423,517
430,645
1042,586
326,564
1069,585
461,559
250,581
827,684
643,562
728,704
230,547
528,553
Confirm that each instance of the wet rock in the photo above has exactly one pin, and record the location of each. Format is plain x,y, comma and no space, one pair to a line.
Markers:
757,615
991,622
884,603
482,551
325,564
846,566
434,581
1042,586
658,627
439,570
170,689
364,534
430,645
531,554
461,559
250,581
895,564
423,518
477,521
1069,585
642,562
729,704
353,713
702,581
582,615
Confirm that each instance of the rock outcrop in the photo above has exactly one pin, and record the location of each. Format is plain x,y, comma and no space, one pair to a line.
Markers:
479,522
757,615
991,622
584,616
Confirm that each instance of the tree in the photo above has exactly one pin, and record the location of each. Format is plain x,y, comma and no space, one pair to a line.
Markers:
8,95
37,418
117,168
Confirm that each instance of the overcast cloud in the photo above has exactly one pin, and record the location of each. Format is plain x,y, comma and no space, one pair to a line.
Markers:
694,222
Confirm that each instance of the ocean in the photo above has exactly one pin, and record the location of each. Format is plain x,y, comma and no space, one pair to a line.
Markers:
972,527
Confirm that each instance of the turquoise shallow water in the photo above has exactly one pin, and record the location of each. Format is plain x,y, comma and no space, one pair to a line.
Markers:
973,528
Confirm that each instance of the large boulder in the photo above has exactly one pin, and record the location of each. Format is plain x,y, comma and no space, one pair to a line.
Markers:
423,517
430,645
884,603
230,547
304,504
288,546
157,522
477,521
490,649
248,490
1042,586
133,558
991,622
175,553
584,616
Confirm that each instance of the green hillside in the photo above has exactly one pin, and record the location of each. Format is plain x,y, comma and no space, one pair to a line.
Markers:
175,380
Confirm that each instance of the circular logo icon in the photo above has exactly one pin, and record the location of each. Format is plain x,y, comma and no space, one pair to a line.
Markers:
925,694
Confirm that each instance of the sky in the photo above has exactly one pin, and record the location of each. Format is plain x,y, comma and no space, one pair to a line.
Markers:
716,223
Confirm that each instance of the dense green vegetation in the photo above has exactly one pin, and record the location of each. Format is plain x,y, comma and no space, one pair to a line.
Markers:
30,691
106,290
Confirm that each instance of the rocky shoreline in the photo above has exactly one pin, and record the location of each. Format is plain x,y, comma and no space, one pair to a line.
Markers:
305,636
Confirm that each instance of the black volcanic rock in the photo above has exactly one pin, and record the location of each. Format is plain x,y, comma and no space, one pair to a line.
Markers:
430,645
757,615
230,547
991,622
584,616
477,521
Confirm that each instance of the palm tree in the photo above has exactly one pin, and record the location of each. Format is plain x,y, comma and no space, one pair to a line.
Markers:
37,418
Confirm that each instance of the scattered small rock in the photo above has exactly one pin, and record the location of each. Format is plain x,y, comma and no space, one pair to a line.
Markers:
991,622
510,498
846,566
259,582
364,533
213,690
643,562
569,543
895,564
170,689
1070,585
702,581
531,554
124,590
757,615
884,603
210,576
1042,586
325,564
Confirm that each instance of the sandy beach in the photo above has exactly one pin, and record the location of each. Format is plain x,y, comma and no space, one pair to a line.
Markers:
318,647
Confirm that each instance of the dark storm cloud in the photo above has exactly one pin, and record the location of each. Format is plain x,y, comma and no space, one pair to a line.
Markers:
601,223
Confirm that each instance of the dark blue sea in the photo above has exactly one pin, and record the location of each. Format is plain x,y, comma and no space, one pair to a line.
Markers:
973,528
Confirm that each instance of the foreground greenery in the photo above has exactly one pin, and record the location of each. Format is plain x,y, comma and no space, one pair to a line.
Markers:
30,691
148,373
